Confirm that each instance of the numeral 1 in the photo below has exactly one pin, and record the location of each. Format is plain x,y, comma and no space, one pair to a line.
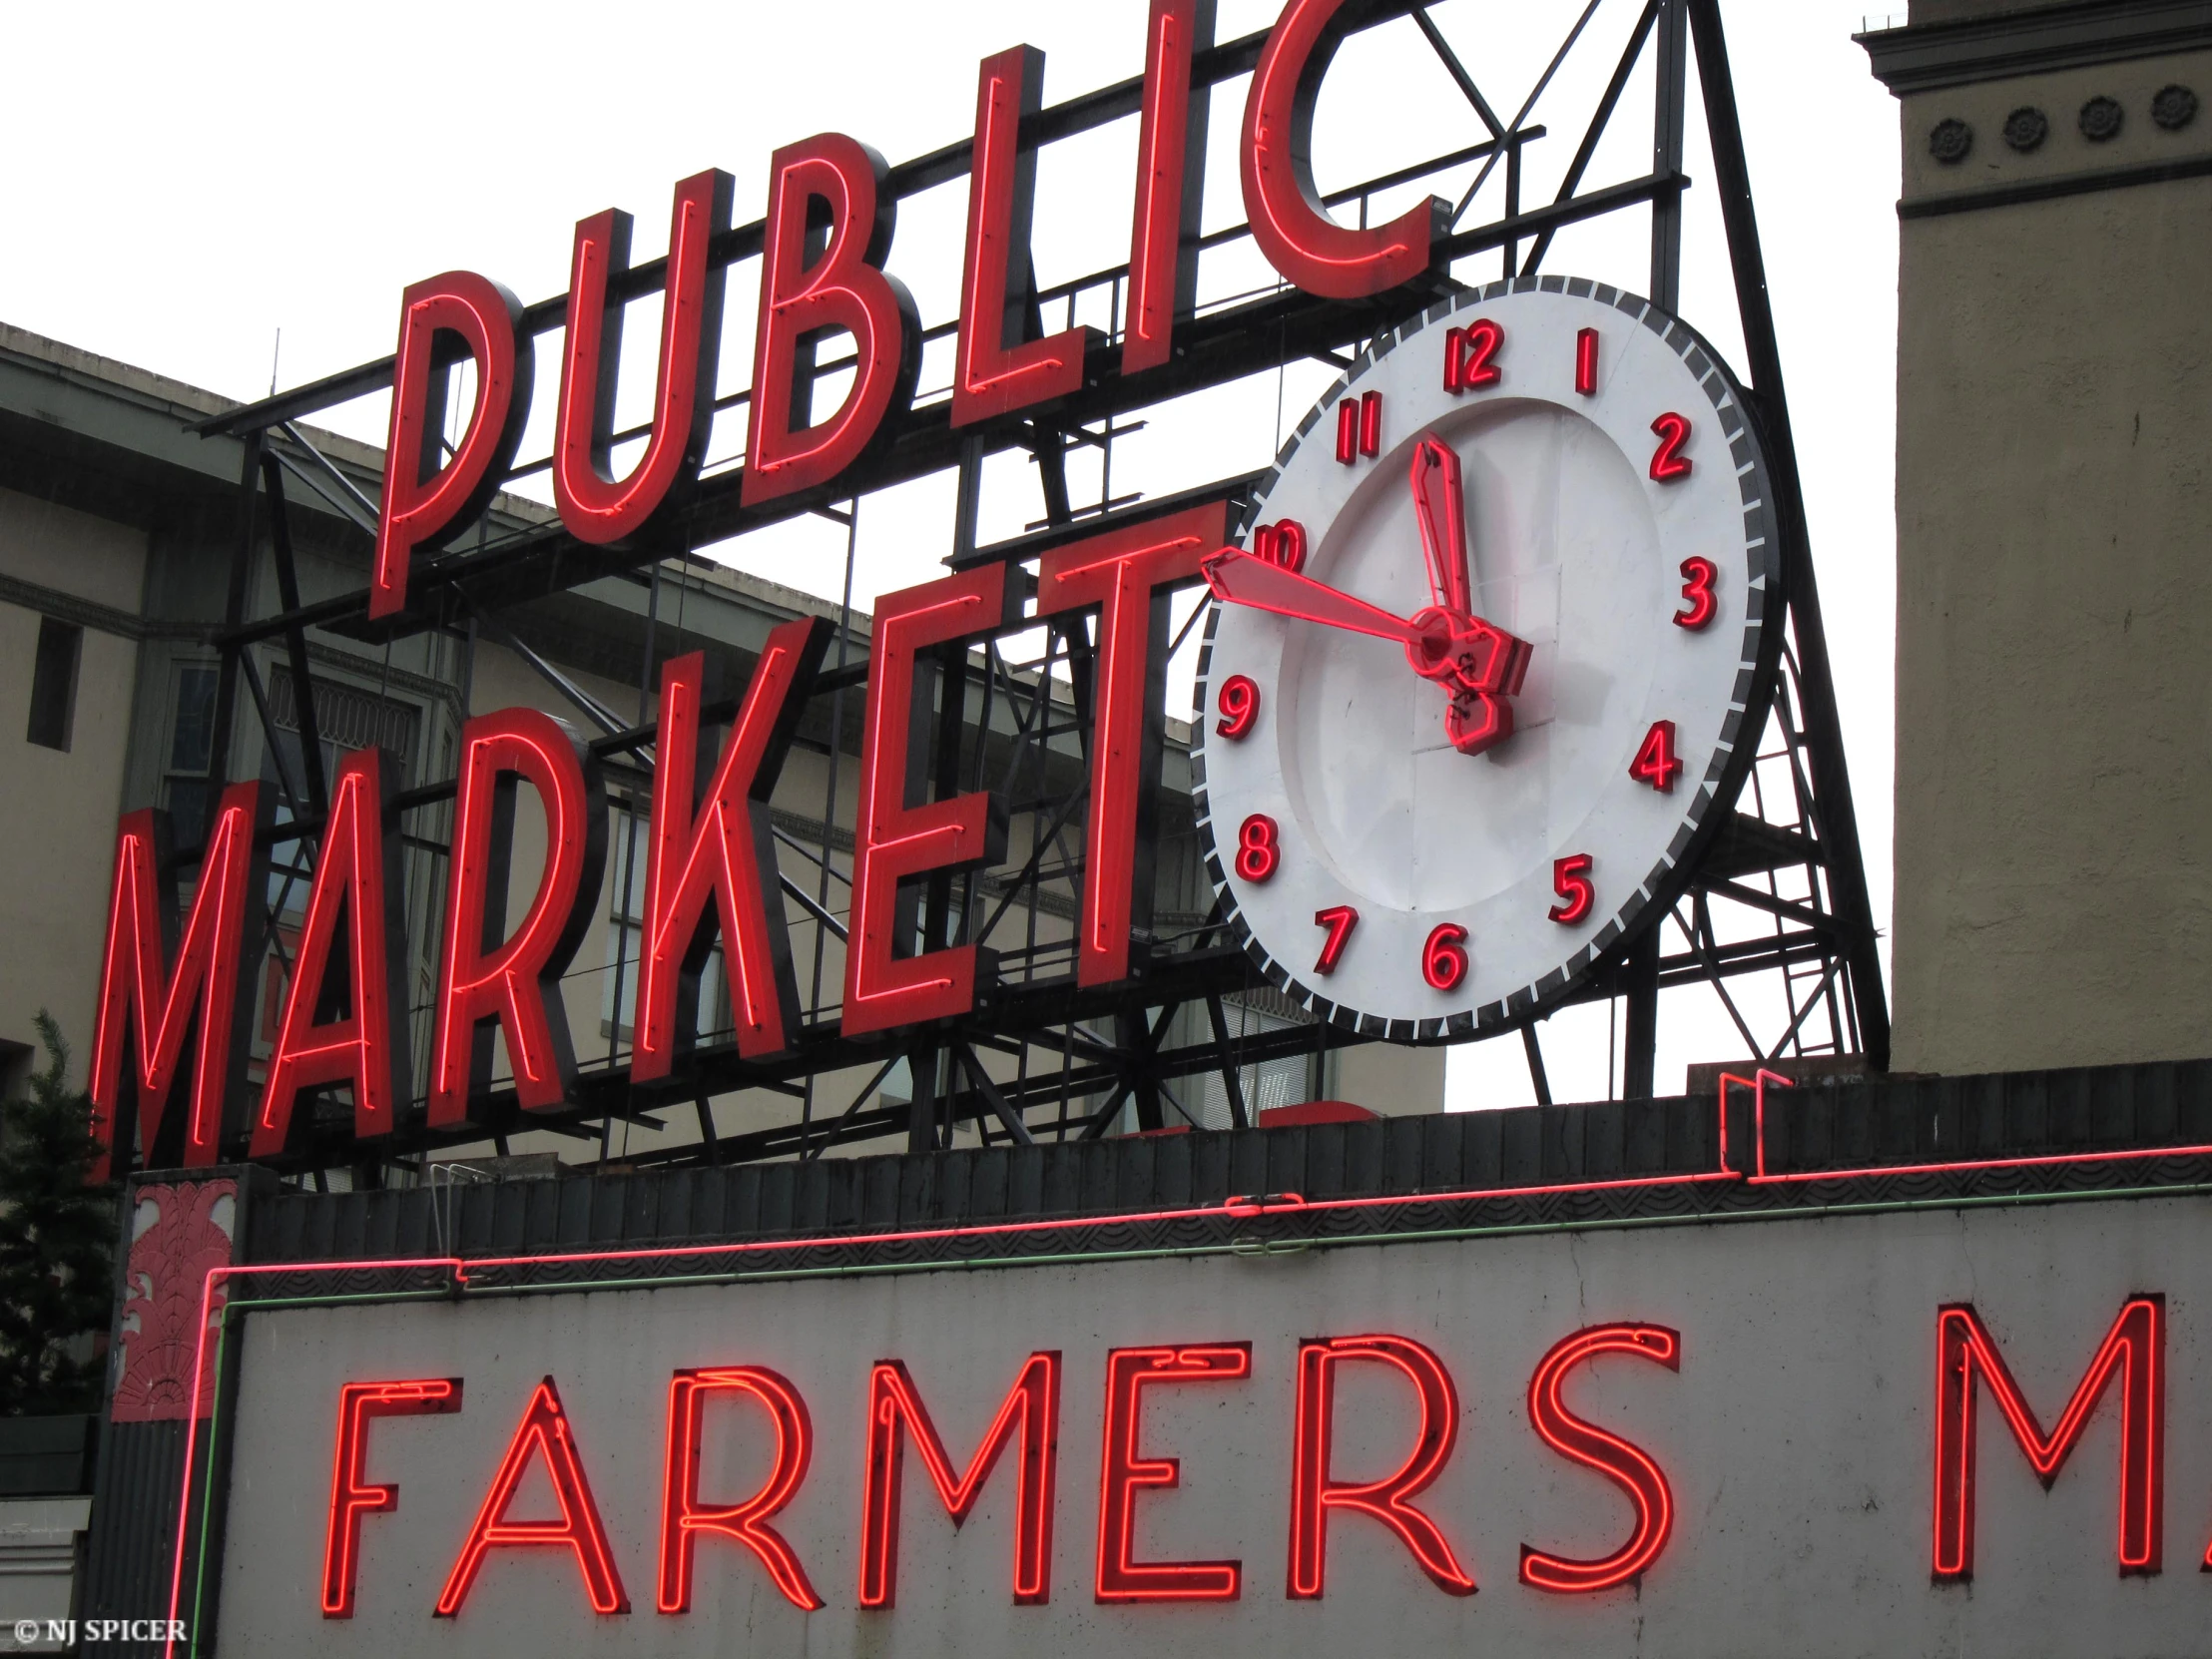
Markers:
1656,763
1667,461
1585,362
1258,850
1340,920
1570,879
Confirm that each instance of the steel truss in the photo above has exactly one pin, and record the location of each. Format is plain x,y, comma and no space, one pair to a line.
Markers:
1780,892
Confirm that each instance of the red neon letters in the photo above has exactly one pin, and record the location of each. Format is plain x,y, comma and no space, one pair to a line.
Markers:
543,1434
425,505
1390,1500
596,506
683,1518
1128,574
993,377
1656,763
1289,222
157,1003
809,290
1470,355
352,1497
1585,362
885,984
1626,1466
1965,1353
1122,1473
895,1411
1259,847
365,1044
487,980
1171,174
727,853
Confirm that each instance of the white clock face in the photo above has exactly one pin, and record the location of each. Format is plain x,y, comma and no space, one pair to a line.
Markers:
1419,872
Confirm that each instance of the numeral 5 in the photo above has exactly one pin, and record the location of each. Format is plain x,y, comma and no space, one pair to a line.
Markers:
1570,879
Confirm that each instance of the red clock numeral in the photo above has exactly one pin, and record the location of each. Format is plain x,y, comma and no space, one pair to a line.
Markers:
1444,959
1469,354
1656,763
1340,920
1258,851
1570,879
1698,577
1585,362
1239,704
1360,426
1281,543
1667,461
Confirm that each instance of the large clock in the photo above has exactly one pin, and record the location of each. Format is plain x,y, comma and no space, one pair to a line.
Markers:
1490,659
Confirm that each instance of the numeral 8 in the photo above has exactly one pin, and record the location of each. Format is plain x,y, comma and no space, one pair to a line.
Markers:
1258,850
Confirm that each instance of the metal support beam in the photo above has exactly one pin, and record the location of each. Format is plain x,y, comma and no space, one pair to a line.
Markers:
1839,824
1640,1041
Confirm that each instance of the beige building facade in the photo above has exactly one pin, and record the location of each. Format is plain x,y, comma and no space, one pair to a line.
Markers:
2053,901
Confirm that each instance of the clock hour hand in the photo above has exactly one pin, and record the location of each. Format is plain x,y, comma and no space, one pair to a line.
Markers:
1240,578
1439,506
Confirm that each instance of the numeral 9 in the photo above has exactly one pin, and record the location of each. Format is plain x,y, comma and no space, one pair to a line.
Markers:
1239,704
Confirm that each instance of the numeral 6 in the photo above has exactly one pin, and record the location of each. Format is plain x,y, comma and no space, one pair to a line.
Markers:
1444,959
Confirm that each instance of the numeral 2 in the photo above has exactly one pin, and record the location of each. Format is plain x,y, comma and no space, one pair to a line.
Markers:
1667,461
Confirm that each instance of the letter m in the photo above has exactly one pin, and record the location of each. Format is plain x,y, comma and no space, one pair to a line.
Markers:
152,983
1966,1356
896,1412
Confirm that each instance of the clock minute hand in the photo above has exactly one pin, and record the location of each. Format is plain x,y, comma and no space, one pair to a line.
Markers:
1440,508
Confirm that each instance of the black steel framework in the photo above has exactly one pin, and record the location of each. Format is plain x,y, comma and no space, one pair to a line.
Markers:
1781,898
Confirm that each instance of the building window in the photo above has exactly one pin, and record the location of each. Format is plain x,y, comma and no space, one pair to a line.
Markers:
54,683
191,748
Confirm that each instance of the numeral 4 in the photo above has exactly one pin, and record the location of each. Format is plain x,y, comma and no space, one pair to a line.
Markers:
1570,879
1340,920
1656,763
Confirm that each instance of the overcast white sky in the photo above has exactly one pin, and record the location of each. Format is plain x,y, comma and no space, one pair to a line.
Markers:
184,180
